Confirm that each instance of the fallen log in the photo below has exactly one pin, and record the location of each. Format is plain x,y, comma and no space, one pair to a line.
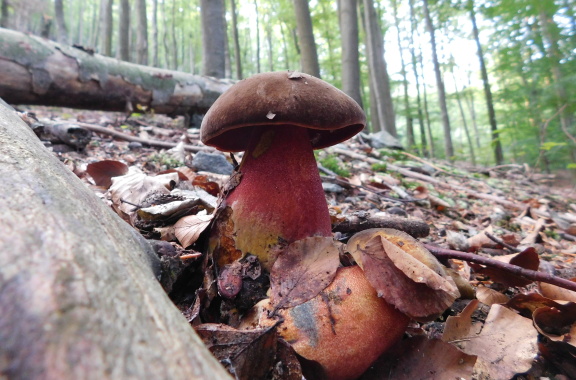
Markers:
79,296
34,70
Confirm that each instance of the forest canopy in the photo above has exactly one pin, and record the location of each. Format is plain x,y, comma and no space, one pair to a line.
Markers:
488,82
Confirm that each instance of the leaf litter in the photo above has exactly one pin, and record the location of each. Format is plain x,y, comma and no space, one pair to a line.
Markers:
523,330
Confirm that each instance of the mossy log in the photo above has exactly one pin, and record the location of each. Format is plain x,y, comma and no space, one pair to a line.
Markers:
79,296
35,70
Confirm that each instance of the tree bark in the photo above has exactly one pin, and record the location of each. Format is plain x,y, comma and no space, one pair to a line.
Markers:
60,23
498,153
309,55
38,71
213,36
78,288
378,70
155,62
141,33
348,17
124,31
448,147
237,56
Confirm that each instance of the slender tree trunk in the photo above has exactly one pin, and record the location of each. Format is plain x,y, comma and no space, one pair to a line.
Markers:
95,26
378,70
167,55
60,23
498,153
155,62
348,18
213,38
470,102
237,57
79,39
441,90
270,45
285,48
425,150
309,55
124,31
328,37
4,14
257,19
106,26
173,37
141,33
407,112
463,116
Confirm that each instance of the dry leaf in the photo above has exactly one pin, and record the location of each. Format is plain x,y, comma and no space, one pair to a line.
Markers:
527,259
459,328
189,228
103,171
490,296
303,270
480,240
506,346
558,323
557,293
403,272
419,358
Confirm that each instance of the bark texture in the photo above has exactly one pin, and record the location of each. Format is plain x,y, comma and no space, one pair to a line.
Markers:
309,55
78,289
38,71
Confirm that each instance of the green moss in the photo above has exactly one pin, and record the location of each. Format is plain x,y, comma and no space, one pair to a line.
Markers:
379,167
332,163
165,160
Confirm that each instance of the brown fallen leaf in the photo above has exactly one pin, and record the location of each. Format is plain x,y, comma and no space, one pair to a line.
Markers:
403,272
557,323
419,358
480,240
527,259
103,171
557,293
490,296
506,346
302,270
189,228
459,328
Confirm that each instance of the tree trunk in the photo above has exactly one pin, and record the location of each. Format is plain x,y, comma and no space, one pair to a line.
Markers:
155,61
60,24
58,75
78,286
213,35
348,17
141,33
173,35
449,149
124,31
427,150
498,154
106,27
309,55
257,20
237,57
463,116
407,112
4,14
378,70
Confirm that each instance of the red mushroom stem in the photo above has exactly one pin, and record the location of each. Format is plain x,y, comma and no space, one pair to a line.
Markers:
279,199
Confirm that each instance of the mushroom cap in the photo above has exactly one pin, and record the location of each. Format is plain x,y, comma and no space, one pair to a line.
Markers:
277,99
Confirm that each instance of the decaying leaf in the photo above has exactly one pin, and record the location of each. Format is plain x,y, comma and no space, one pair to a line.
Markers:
189,228
490,296
103,171
419,358
558,323
459,327
480,240
303,270
527,259
403,272
180,202
507,344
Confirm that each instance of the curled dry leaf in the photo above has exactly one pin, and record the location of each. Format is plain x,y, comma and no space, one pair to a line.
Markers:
507,344
303,270
103,171
558,323
557,293
459,327
527,259
189,228
403,272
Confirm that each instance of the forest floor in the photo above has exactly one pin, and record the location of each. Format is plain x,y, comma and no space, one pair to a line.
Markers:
511,329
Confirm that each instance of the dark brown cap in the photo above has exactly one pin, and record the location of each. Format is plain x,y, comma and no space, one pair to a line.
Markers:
278,99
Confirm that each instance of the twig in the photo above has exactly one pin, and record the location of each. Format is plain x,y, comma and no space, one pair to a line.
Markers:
513,269
156,143
501,242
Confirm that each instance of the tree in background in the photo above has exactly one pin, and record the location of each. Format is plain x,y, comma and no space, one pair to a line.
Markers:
306,42
141,33
348,19
60,23
213,38
124,31
107,27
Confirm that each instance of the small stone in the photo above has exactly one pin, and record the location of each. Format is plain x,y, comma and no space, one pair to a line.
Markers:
332,188
212,162
135,146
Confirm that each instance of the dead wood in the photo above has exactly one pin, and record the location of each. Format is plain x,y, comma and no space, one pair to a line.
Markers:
79,295
413,227
34,70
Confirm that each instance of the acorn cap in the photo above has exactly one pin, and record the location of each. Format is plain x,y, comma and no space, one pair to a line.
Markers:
278,99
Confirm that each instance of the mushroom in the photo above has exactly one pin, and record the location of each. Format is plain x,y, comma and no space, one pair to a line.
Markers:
276,199
278,119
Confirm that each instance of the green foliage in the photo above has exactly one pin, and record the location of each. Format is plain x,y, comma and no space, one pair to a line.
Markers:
331,162
165,160
379,167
